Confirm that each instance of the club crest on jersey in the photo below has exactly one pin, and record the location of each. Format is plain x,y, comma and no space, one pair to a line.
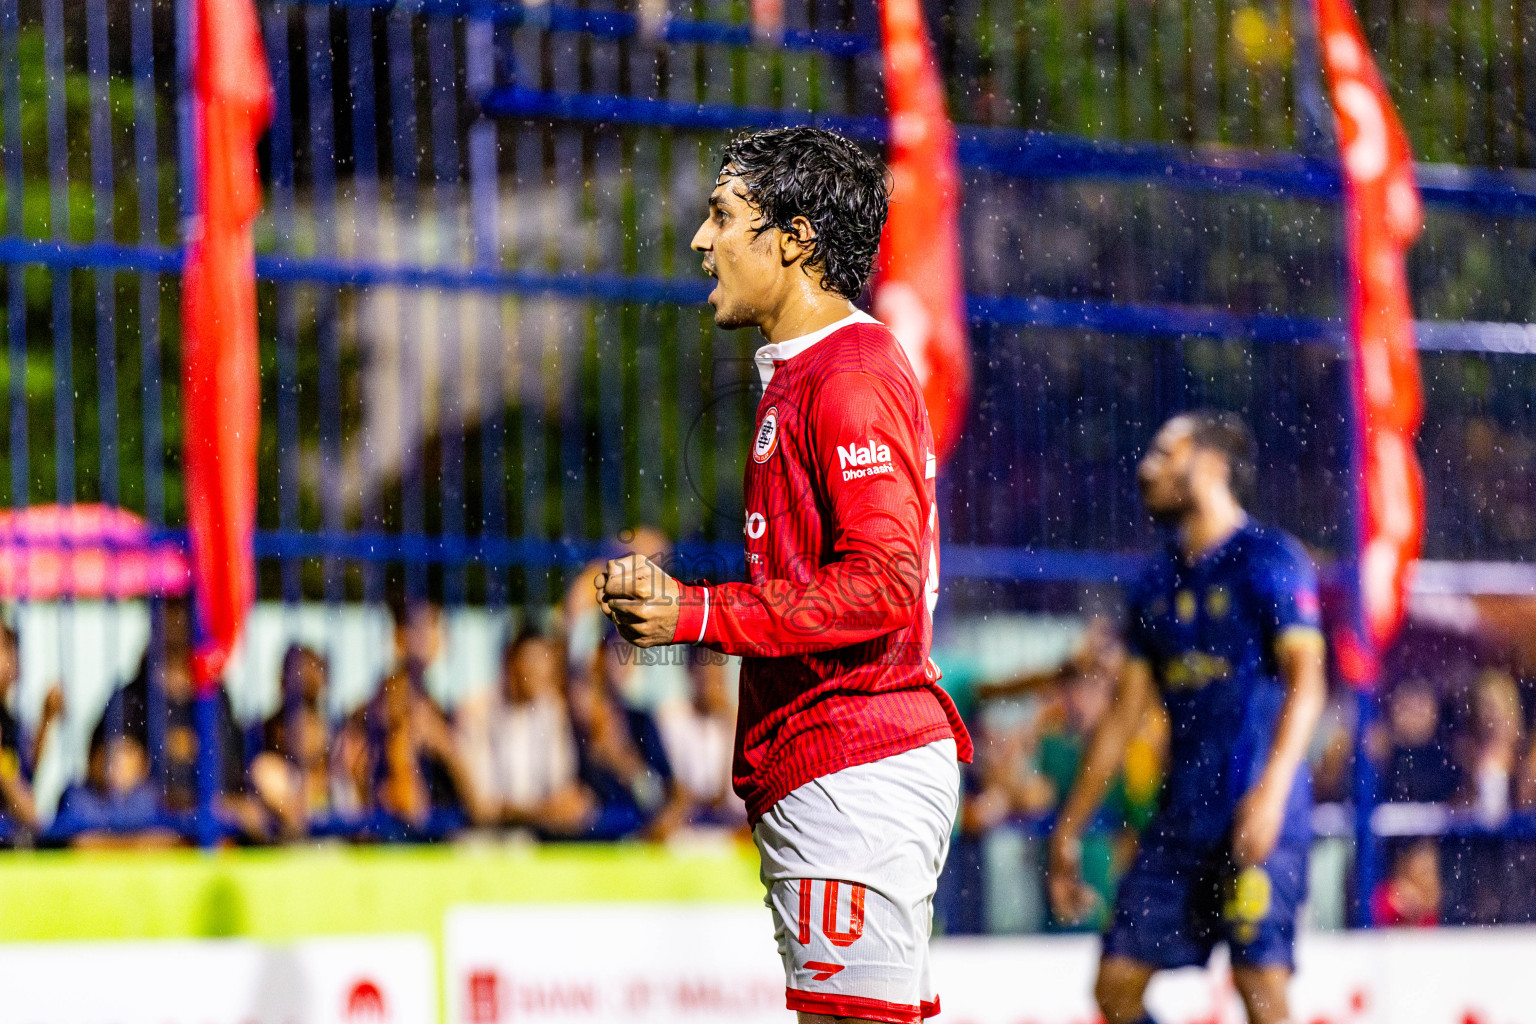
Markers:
858,460
767,436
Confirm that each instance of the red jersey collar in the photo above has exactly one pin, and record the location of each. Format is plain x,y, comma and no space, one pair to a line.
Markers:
770,356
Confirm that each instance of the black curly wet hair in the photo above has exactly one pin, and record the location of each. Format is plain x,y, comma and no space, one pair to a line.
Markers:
821,176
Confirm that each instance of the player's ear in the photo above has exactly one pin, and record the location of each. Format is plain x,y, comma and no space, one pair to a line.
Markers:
797,243
1213,466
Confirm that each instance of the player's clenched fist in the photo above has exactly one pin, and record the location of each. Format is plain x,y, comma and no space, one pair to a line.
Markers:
640,599
1072,900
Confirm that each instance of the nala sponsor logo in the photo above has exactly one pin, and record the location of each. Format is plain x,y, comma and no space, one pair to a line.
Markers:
867,459
767,436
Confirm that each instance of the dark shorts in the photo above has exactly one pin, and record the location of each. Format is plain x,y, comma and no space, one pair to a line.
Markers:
1177,903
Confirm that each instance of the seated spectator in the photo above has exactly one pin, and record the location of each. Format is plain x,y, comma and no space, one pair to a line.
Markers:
699,737
1483,877
351,771
1005,780
1410,895
621,756
290,774
419,779
116,806
19,758
1419,769
421,634
162,719
533,763
1489,754
1332,751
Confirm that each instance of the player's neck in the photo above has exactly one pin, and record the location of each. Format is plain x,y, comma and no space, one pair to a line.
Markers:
805,311
1210,525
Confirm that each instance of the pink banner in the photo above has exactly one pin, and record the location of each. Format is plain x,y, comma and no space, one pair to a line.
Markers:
49,552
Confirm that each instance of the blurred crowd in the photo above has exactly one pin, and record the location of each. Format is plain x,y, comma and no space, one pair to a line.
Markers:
579,739
583,737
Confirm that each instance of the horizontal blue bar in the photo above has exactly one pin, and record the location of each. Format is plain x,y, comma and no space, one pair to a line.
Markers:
1115,318
1051,155
90,255
1035,565
606,287
1137,319
516,101
968,561
354,274
1047,155
1145,319
432,550
616,24
957,561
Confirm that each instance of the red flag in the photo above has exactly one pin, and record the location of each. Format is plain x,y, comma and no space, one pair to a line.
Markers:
918,290
1382,219
232,104
768,20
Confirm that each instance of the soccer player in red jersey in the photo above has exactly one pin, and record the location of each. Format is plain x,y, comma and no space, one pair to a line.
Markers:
846,746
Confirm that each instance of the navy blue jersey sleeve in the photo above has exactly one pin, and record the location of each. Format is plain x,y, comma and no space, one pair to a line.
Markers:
1285,584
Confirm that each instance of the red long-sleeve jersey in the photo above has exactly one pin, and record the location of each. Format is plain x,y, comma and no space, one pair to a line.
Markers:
842,536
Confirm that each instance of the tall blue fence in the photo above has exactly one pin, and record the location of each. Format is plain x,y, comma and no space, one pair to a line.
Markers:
484,348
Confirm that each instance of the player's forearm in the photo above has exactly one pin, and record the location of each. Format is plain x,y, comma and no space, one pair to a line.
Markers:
1302,671
1106,747
846,603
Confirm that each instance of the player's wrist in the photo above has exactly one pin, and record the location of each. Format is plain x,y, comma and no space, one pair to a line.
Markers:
1065,847
694,611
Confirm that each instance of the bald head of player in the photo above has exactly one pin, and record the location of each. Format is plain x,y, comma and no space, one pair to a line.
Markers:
794,223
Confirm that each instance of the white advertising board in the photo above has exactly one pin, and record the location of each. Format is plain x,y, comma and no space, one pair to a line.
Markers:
642,963
1450,976
613,963
385,980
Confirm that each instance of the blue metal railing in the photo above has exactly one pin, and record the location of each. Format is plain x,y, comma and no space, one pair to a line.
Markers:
1027,154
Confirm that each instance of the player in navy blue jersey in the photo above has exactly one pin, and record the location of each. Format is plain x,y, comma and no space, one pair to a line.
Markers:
1223,629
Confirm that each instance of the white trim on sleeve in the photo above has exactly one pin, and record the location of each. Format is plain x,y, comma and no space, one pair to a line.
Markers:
704,622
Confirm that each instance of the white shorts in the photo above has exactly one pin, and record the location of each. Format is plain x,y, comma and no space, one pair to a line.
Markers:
850,862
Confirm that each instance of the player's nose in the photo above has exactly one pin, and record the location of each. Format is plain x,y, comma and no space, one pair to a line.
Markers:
701,240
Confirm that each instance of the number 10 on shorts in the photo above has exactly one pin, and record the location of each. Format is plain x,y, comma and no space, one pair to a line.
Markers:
830,891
